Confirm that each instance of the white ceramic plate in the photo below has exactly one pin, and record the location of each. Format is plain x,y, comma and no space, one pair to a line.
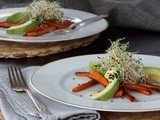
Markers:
74,15
56,80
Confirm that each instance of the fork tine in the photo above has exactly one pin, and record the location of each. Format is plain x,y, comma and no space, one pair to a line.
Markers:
11,77
20,77
16,78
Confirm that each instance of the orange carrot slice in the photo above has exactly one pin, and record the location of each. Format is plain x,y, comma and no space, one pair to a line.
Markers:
135,87
82,74
119,93
84,86
35,34
151,87
98,77
145,92
7,24
129,96
46,27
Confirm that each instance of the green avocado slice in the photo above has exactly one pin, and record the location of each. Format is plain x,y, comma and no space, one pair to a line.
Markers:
93,66
153,73
21,29
113,76
18,17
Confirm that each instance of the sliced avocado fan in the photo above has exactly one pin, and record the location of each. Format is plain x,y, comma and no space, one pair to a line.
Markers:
93,66
18,17
153,73
113,77
23,28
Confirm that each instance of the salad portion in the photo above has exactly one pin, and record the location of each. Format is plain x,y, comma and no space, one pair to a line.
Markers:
40,17
130,67
119,72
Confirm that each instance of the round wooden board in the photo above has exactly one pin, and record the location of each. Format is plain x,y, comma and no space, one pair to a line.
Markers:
26,50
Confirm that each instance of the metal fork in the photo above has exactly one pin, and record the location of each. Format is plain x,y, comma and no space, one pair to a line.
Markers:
79,25
18,84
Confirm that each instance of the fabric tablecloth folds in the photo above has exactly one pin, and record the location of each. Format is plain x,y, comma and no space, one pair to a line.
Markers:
18,106
141,14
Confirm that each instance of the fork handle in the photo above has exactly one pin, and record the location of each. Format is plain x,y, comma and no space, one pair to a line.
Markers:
88,21
41,108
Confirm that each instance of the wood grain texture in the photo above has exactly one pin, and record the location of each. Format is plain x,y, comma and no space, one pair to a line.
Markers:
130,116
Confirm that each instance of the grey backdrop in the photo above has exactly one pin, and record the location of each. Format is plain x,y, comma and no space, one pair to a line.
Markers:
141,14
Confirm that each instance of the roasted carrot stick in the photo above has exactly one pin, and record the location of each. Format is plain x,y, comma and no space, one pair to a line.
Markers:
145,86
119,93
98,77
84,86
135,87
39,31
2,22
35,34
129,96
60,25
45,28
151,87
145,92
39,28
6,24
82,74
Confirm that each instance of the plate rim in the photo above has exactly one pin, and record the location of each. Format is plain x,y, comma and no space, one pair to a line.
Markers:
49,39
89,107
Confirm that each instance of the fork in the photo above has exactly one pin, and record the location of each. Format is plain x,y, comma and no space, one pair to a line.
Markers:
18,84
79,25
